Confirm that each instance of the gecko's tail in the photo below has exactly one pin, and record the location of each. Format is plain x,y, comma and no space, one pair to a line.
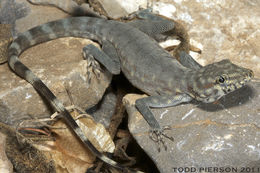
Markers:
30,38
70,7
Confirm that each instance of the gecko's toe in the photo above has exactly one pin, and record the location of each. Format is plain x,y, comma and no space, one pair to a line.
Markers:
93,68
157,135
165,135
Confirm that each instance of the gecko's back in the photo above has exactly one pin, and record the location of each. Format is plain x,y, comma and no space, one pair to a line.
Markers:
142,60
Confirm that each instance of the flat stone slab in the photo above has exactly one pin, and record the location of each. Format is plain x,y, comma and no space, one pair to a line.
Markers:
205,135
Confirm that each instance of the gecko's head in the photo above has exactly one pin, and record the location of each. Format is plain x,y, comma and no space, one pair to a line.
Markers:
215,80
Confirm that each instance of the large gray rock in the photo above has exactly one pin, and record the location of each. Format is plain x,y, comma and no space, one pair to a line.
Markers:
120,8
206,135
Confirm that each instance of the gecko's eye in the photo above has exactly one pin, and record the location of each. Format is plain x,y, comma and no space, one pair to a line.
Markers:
220,79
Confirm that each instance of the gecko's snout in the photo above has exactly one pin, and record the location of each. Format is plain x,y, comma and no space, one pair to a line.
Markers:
247,76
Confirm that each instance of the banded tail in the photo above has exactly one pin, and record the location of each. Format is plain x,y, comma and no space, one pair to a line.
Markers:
75,27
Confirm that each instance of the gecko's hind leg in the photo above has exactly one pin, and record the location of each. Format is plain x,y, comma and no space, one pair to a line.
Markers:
152,24
161,28
96,56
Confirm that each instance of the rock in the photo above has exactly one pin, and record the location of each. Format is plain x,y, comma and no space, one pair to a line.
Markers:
205,135
5,164
37,15
67,152
10,11
119,8
59,63
23,15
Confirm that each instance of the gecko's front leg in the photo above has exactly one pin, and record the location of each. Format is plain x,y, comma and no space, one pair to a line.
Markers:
157,133
107,57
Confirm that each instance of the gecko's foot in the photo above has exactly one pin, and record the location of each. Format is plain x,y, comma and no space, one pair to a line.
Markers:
138,14
157,136
93,68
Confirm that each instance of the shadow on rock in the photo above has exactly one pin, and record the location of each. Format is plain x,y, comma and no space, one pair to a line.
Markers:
236,98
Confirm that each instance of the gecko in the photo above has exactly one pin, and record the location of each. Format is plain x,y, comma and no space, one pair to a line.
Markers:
140,58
